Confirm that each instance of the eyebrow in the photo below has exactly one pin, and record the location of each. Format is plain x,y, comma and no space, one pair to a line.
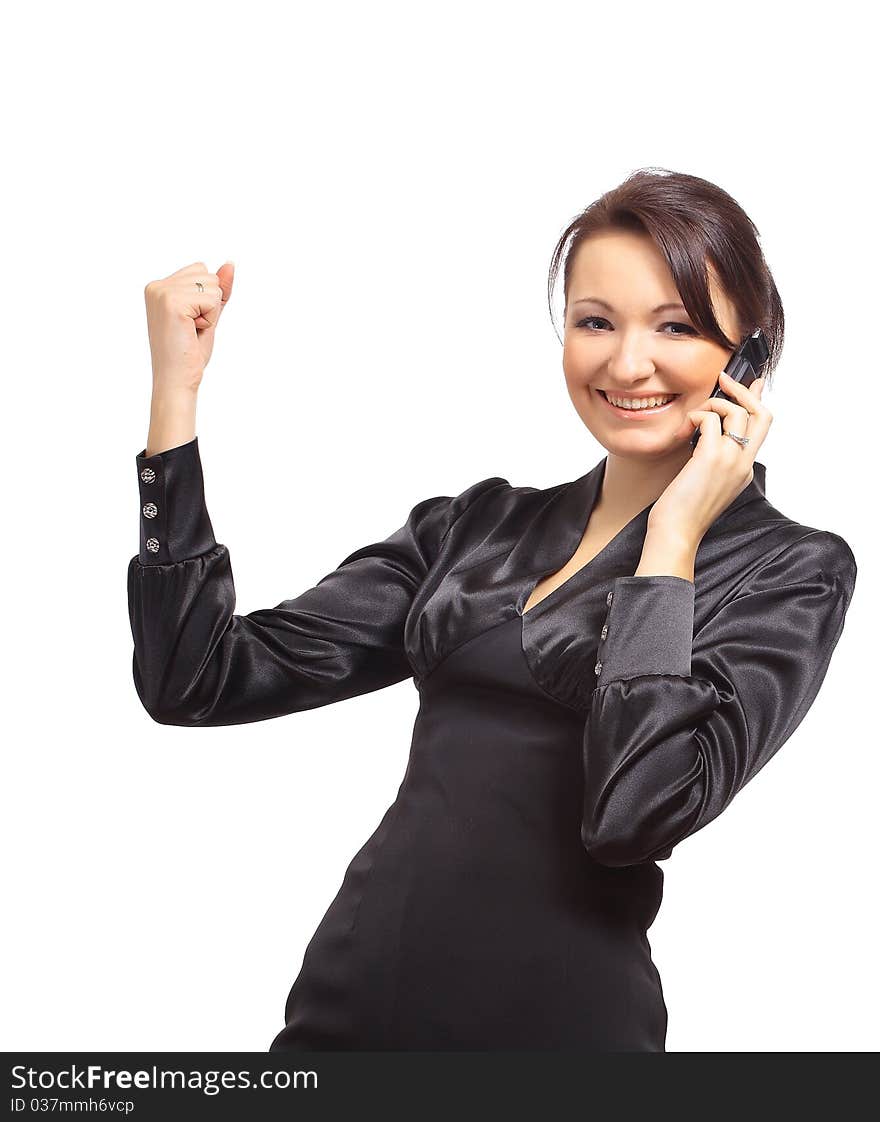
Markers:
605,304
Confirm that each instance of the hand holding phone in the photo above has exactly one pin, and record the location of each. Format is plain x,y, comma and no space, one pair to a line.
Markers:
744,366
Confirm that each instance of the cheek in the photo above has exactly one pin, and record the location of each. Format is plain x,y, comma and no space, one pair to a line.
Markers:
702,389
701,376
696,380
575,363
568,370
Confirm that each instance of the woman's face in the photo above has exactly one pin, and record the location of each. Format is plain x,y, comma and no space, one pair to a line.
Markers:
631,350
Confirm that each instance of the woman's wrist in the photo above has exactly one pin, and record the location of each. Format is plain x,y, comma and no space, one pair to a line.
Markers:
668,551
172,419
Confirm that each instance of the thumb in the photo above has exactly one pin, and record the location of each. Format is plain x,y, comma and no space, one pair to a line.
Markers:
226,275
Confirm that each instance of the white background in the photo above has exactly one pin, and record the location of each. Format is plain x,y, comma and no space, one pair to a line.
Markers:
390,180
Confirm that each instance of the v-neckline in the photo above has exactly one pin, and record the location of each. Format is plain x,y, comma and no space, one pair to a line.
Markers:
576,503
586,491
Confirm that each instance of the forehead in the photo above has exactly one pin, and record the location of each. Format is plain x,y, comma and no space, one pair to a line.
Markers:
627,269
621,259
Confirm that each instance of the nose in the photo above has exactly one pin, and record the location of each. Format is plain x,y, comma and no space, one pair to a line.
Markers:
630,361
629,372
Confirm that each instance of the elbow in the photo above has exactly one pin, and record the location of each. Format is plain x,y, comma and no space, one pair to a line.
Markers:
164,710
632,821
164,714
171,717
613,843
166,705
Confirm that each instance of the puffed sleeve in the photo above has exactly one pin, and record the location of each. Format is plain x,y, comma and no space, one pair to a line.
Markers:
197,663
679,721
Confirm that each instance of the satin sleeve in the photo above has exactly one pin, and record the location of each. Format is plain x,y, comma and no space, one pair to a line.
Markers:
681,721
198,663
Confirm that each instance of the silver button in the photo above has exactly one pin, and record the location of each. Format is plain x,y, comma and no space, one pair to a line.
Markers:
150,510
604,630
153,545
598,668
609,598
148,475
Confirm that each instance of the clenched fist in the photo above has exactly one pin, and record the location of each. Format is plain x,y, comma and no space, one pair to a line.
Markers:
181,320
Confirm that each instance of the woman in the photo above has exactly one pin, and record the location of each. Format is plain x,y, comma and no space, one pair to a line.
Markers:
602,664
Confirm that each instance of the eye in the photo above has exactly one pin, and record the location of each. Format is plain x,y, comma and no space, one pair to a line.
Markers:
588,320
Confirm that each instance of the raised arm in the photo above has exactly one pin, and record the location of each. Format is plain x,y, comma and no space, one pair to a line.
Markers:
197,663
680,722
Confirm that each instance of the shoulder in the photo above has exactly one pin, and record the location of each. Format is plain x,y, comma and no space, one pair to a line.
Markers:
804,547
804,554
493,486
496,494
811,550
488,510
781,547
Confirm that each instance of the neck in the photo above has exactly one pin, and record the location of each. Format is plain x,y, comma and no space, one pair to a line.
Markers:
631,483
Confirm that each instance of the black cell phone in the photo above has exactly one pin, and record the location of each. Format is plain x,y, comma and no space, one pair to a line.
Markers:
744,365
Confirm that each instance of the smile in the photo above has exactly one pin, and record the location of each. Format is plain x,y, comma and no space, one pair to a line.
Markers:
633,409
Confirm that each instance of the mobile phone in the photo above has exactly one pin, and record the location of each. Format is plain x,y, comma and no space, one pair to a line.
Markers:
744,366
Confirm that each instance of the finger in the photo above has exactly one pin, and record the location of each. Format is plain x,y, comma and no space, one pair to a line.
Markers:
736,416
746,396
208,316
756,428
712,440
759,416
713,431
226,276
708,422
188,270
208,304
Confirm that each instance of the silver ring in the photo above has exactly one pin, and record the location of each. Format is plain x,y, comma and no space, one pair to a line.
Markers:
201,286
742,441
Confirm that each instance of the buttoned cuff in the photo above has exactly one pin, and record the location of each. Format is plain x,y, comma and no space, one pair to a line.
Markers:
648,628
174,521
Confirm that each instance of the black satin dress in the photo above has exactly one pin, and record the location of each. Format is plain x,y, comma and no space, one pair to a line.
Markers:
504,900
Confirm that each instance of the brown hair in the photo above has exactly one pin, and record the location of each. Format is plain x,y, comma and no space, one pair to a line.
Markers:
693,223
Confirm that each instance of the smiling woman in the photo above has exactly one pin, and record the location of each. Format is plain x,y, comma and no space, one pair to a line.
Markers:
635,364
663,279
702,234
584,707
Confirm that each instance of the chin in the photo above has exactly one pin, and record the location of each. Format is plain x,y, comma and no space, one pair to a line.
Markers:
635,440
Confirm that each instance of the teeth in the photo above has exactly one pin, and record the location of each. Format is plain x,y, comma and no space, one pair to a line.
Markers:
639,403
